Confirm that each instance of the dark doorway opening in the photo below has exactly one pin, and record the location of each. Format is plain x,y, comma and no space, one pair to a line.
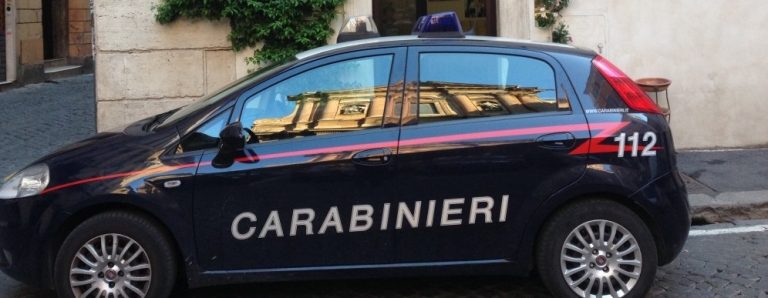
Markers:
3,66
54,29
396,17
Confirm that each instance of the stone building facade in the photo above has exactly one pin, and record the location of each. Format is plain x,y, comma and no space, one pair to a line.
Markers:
44,39
710,51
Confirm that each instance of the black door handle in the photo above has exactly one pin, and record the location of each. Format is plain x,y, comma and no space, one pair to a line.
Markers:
373,157
558,140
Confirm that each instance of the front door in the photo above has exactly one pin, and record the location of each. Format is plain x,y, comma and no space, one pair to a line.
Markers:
310,192
485,139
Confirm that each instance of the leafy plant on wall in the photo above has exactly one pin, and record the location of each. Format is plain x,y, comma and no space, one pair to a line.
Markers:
285,27
548,16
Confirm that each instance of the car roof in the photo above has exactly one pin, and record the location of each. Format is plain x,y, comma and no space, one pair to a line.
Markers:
413,40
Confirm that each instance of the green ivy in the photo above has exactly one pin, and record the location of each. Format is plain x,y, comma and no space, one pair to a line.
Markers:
285,27
561,34
547,14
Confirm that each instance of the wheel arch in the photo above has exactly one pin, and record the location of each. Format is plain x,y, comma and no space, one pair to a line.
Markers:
545,214
83,214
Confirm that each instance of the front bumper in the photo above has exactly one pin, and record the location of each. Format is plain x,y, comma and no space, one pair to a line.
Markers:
22,253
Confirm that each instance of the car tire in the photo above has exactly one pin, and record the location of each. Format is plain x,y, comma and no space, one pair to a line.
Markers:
89,262
567,254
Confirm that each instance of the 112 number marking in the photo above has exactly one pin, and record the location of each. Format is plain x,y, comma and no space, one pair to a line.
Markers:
649,138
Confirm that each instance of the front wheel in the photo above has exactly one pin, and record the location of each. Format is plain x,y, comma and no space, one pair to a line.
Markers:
115,254
597,248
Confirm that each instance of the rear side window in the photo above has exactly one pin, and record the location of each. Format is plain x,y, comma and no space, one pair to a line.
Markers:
465,85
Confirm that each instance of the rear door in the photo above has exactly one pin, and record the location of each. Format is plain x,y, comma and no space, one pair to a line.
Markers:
307,193
486,137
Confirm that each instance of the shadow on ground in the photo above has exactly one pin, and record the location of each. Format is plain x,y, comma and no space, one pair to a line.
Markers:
489,286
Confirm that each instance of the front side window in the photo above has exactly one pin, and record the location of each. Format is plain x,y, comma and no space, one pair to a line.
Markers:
465,85
343,96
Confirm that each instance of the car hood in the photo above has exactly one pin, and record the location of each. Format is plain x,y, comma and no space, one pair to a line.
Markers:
108,153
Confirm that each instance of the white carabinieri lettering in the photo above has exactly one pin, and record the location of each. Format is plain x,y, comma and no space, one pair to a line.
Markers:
362,217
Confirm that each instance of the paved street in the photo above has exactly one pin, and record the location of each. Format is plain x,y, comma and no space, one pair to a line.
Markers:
717,265
727,171
720,265
39,118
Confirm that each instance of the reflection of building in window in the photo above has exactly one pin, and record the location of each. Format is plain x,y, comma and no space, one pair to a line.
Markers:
327,112
355,109
443,101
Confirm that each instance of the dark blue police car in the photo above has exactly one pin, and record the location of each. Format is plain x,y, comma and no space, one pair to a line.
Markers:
411,155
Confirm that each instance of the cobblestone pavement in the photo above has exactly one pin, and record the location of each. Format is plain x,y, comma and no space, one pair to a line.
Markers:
38,118
710,266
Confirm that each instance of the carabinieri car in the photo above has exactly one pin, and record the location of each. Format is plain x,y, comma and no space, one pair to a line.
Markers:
392,156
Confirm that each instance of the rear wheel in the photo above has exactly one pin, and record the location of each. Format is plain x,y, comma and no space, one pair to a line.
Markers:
115,254
597,248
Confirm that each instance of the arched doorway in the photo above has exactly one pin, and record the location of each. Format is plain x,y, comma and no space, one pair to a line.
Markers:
55,27
396,17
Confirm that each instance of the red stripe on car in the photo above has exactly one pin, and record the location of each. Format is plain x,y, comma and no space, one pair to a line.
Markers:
607,129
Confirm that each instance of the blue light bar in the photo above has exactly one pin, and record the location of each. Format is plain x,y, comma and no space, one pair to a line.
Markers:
442,24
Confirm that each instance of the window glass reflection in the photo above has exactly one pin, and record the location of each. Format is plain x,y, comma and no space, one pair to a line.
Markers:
462,85
343,96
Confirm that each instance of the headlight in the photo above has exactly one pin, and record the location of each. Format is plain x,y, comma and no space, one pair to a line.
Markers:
27,182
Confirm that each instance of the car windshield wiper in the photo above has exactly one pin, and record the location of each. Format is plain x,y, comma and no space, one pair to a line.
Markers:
157,120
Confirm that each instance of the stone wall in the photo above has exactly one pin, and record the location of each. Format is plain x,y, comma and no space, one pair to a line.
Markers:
80,45
144,68
29,35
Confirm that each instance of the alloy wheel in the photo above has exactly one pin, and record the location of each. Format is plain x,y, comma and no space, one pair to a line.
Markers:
110,266
601,258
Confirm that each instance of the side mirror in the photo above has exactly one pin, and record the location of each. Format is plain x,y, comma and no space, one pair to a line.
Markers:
232,142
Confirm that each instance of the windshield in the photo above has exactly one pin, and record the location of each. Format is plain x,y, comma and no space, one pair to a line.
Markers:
215,97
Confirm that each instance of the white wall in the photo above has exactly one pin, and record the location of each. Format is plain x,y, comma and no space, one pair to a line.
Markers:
713,51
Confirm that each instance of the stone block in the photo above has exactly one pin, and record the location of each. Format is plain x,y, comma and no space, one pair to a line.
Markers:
76,38
81,50
80,27
31,73
29,4
82,4
79,14
219,69
158,74
114,114
31,51
130,25
24,16
29,31
242,68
